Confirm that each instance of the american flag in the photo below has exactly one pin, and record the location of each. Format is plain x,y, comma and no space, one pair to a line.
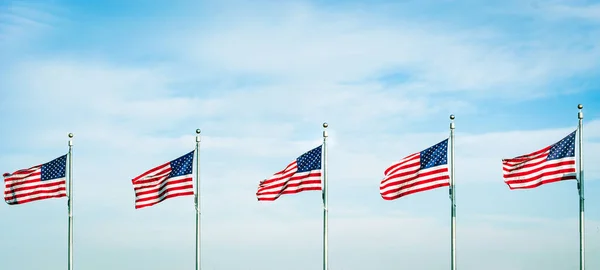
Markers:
302,174
36,183
169,180
550,164
417,172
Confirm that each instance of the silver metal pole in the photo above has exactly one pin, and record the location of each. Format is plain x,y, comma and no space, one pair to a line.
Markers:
197,199
325,240
70,204
581,197
452,198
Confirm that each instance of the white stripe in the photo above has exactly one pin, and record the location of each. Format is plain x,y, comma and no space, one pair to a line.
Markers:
155,170
395,183
158,182
407,167
271,186
521,165
170,192
539,180
63,180
527,158
294,174
32,184
403,191
390,176
24,198
19,180
540,172
290,189
293,165
168,186
288,174
265,196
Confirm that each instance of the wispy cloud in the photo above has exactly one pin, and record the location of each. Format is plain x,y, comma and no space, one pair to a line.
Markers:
574,10
21,20
348,46
259,79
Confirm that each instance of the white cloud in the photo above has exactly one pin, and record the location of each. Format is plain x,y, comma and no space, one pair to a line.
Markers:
110,118
319,66
21,20
573,10
308,44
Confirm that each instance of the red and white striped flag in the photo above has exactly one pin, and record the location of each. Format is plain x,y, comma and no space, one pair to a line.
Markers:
302,174
418,172
36,183
550,164
169,180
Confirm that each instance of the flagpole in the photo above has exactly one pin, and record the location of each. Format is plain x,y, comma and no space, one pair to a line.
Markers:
581,197
325,240
452,198
70,204
197,199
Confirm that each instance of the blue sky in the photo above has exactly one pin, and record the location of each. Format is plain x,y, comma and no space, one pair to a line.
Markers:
133,80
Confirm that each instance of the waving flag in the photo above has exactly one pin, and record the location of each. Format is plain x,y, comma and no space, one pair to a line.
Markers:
36,183
302,174
169,180
417,172
550,164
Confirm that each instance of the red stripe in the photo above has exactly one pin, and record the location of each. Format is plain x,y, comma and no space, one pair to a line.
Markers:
163,193
557,173
37,199
291,178
415,191
408,170
532,173
164,198
285,186
10,195
417,174
404,164
159,186
289,171
159,192
41,185
524,165
543,182
35,195
14,181
151,172
416,183
530,156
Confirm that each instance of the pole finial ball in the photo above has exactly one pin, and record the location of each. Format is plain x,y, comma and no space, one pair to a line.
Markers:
580,106
70,135
198,131
325,125
452,117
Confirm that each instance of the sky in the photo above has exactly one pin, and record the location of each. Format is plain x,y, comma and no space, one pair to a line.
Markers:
134,79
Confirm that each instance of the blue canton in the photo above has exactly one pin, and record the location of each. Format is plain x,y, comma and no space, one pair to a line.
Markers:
310,160
435,155
182,165
563,148
54,169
